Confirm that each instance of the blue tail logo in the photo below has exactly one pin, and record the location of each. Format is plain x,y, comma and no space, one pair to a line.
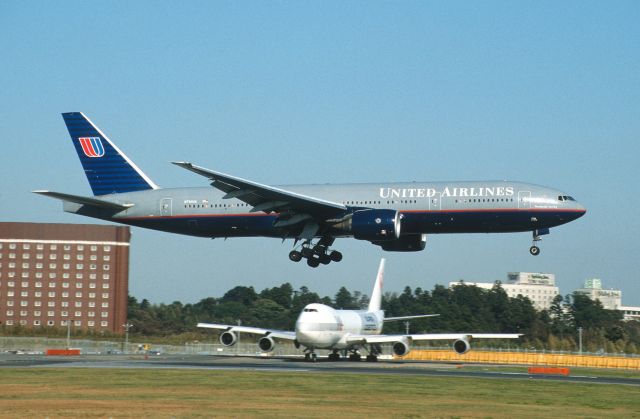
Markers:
107,168
92,146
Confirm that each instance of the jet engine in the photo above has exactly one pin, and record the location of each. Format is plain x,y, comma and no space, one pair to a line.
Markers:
461,346
372,224
408,243
228,338
401,347
266,344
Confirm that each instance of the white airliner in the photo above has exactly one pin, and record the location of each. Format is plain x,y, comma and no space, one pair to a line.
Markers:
322,327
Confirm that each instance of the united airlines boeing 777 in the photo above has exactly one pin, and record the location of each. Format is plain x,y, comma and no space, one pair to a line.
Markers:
322,327
395,216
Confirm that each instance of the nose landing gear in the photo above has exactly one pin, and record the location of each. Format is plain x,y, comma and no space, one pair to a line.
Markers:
535,250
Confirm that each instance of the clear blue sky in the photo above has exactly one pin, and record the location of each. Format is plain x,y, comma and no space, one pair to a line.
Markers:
316,92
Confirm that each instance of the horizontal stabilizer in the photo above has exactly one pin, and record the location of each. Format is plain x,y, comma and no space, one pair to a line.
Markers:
419,316
83,200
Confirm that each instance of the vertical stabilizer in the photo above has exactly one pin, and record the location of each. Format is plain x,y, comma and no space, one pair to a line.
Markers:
376,295
107,168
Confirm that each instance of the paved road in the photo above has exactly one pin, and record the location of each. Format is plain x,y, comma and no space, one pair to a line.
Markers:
208,362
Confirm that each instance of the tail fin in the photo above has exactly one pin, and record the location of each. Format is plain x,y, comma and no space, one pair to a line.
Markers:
107,168
376,296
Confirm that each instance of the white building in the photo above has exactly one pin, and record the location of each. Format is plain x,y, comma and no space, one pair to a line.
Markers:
611,299
540,288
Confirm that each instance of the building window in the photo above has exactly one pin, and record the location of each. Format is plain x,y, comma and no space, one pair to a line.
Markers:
9,322
65,285
93,266
24,284
24,294
91,314
105,277
9,303
92,285
52,294
92,304
12,274
91,323
105,305
79,266
53,247
64,314
78,313
105,286
105,295
37,294
104,314
65,275
106,258
106,248
25,265
11,284
39,256
52,275
25,274
53,266
40,246
38,274
12,246
78,295
92,276
37,313
24,303
79,257
65,266
51,304
12,255
80,247
52,284
78,284
37,304
94,248
94,257
9,313
38,284
78,323
53,256
104,324
26,256
10,293
65,304
36,322
50,322
67,247
23,313
105,267
78,304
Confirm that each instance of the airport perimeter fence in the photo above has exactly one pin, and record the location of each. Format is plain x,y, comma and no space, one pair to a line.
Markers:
511,356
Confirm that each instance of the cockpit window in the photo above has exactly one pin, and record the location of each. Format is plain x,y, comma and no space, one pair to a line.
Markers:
310,310
565,198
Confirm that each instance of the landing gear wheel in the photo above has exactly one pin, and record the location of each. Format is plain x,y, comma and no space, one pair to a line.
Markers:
313,263
372,358
325,259
534,250
314,357
334,356
295,256
355,357
335,256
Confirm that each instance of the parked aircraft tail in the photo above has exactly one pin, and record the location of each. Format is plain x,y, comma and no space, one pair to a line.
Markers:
376,296
107,168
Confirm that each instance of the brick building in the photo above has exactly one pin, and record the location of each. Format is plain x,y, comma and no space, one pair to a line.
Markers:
54,273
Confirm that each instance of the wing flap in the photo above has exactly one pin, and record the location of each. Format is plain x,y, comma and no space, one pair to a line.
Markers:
361,339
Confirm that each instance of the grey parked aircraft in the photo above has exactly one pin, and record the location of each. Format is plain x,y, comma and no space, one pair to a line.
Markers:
395,216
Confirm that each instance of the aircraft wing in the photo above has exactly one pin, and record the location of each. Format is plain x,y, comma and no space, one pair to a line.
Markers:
266,198
361,339
279,334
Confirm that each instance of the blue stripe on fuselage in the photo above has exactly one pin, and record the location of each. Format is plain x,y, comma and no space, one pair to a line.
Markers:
413,222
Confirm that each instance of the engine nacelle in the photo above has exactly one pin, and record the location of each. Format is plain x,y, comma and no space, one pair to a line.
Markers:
408,243
378,225
401,347
266,344
461,346
228,338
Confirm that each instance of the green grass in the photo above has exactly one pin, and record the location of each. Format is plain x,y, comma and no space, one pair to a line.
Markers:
79,392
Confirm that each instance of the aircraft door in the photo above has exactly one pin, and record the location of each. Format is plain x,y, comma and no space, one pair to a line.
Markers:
165,207
524,199
435,202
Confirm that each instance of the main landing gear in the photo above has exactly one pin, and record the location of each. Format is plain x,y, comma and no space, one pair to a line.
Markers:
316,254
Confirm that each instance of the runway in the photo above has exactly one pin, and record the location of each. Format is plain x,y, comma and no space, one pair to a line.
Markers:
298,365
